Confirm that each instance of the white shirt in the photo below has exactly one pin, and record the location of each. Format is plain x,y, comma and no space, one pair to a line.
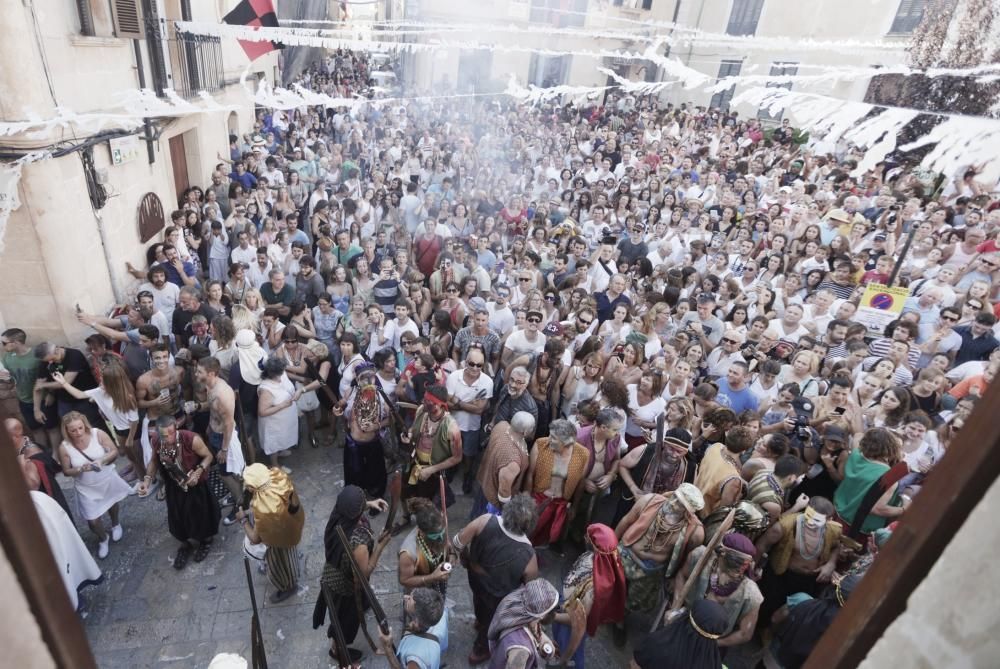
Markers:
460,390
247,256
164,299
392,331
257,276
519,344
647,412
119,420
501,318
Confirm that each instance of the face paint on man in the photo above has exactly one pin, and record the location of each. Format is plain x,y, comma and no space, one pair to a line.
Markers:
814,519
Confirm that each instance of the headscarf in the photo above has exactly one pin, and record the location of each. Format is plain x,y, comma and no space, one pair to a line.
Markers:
689,642
738,542
346,513
251,357
529,603
808,621
609,579
256,475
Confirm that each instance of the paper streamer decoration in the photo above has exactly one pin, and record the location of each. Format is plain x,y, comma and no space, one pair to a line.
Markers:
126,114
10,177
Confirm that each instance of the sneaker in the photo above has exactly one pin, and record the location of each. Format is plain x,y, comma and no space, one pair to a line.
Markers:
231,518
102,549
134,489
287,470
116,533
225,501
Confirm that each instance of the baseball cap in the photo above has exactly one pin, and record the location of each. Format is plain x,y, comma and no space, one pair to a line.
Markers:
834,433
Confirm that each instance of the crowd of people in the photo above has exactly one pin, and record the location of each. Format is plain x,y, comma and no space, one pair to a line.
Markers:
628,331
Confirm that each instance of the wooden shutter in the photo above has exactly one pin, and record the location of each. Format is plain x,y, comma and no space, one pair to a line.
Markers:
127,18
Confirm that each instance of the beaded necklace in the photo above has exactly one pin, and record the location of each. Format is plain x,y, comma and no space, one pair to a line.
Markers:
432,560
800,540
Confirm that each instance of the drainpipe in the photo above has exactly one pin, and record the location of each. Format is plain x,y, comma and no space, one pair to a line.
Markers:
147,126
116,286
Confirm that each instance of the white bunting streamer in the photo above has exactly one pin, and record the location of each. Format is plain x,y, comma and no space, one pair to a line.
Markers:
128,113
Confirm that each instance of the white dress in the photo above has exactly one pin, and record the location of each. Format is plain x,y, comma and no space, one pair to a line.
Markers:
279,431
76,564
96,492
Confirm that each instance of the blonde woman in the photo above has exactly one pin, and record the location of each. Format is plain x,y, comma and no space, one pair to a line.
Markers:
243,318
802,371
283,204
88,456
254,303
115,399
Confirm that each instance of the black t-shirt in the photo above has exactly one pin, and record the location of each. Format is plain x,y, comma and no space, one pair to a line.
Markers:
73,361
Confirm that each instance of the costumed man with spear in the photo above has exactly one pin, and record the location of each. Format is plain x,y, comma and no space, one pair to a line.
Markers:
720,572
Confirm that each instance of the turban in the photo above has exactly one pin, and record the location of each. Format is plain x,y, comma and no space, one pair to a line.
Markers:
690,496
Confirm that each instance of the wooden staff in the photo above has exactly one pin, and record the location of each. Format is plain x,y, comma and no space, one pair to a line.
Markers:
444,514
343,653
362,580
258,656
698,567
578,627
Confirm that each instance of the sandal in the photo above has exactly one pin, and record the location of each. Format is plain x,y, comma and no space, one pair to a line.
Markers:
201,552
181,556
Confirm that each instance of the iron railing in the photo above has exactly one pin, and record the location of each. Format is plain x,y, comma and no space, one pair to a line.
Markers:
195,63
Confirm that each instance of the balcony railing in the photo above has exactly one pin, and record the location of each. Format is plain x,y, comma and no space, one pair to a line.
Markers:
195,63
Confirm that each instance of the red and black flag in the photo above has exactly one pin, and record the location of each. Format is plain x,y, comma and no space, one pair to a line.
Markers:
254,13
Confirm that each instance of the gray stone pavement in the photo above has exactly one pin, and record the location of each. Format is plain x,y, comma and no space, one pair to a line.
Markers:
147,614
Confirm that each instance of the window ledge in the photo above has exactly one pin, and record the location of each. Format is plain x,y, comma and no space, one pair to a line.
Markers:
89,40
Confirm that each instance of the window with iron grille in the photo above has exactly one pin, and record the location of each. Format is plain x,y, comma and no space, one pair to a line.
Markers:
744,17
727,68
778,70
908,16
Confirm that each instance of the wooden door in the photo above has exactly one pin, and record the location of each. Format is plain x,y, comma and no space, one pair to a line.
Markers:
178,161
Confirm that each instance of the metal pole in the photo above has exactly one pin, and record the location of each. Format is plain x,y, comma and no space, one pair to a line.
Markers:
902,253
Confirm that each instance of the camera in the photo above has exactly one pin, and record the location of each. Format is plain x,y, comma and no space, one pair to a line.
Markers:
802,432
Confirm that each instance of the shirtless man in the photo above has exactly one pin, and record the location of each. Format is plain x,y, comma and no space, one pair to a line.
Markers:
222,438
367,415
802,549
159,393
654,538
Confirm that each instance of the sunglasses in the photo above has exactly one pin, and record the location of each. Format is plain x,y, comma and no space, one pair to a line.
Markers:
534,320
729,341
477,365
583,322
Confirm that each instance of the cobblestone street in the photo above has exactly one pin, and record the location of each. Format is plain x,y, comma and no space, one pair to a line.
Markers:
146,614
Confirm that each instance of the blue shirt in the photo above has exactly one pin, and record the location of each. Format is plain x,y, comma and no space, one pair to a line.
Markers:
425,653
246,179
737,400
